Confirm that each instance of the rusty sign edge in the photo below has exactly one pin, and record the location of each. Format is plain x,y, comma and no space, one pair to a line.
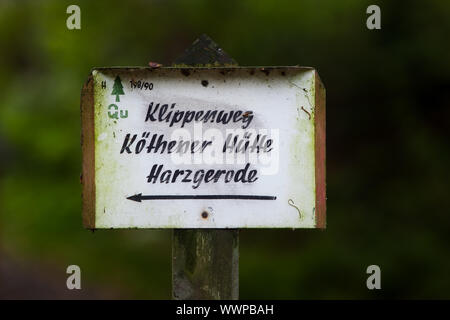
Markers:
320,151
88,153
88,137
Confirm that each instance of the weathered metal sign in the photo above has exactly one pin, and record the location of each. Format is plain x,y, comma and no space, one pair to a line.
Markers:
233,147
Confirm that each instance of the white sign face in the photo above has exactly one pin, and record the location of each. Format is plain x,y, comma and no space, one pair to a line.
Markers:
204,148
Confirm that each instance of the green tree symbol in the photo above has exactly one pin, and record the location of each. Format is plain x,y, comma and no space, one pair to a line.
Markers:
117,89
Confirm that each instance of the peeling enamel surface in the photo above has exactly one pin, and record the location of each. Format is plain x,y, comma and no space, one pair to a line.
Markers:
280,98
102,136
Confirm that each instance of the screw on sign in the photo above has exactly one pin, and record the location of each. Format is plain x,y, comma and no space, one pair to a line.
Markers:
212,148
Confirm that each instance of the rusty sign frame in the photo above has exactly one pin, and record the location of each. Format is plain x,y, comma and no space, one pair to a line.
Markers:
88,133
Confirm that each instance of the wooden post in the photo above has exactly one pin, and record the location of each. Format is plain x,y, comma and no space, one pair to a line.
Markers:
205,262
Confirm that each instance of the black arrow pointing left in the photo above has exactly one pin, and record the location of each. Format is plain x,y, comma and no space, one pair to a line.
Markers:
139,197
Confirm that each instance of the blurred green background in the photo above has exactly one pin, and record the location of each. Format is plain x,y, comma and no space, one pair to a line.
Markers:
388,114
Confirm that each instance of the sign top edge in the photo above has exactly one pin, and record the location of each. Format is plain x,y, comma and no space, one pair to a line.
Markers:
248,68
